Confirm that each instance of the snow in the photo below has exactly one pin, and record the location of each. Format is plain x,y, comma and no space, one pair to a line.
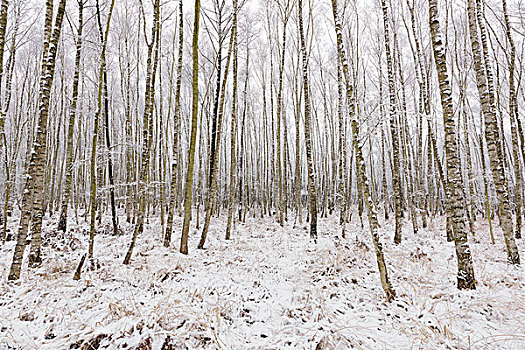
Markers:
270,287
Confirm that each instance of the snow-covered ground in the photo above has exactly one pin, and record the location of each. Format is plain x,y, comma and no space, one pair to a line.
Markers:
268,288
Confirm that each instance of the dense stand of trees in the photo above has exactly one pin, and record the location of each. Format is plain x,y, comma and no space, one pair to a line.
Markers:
124,110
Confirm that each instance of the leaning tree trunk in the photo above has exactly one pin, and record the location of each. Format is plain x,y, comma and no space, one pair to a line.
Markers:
312,196
455,195
360,163
32,196
40,145
492,136
193,137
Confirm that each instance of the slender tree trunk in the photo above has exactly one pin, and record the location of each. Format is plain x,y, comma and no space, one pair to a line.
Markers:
492,135
147,128
38,162
360,162
32,204
468,186
3,26
342,151
312,195
114,219
383,142
514,118
280,179
193,138
93,184
62,223
231,195
394,129
128,153
215,135
176,128
486,177
214,164
298,178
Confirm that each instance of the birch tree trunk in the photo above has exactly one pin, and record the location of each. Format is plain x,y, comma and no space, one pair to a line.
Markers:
312,196
176,127
93,183
342,151
298,177
281,203
214,164
32,196
62,223
360,162
193,137
3,112
394,129
114,219
492,136
41,140
3,26
455,195
231,195
147,127
514,119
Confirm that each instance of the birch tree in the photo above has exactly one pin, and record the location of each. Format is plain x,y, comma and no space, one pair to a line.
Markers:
3,26
514,119
193,137
147,125
62,223
231,194
455,195
492,132
312,195
93,182
176,127
32,205
394,129
360,162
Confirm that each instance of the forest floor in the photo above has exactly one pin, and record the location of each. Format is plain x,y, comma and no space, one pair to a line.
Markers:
269,287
